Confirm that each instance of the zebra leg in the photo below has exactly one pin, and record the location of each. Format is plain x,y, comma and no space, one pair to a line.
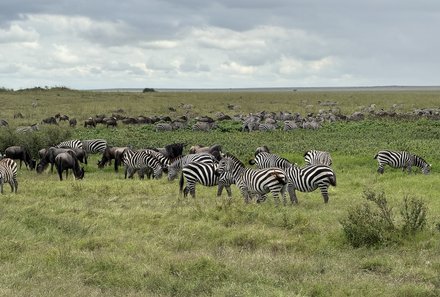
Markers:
12,184
380,169
228,190
292,195
16,185
276,199
220,190
1,186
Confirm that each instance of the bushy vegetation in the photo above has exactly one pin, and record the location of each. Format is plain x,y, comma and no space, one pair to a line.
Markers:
372,224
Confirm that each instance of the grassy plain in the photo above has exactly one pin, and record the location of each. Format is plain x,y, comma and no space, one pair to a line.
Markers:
106,236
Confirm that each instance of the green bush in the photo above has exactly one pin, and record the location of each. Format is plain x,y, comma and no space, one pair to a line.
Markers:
372,224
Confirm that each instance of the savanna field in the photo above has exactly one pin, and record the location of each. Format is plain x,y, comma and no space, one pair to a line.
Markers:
108,236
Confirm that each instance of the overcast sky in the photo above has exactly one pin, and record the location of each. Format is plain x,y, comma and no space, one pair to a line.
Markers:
90,44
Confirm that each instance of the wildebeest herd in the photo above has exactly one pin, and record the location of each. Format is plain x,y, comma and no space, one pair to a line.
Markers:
205,165
256,121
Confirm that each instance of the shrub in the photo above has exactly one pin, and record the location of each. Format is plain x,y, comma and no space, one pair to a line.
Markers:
366,225
414,215
148,90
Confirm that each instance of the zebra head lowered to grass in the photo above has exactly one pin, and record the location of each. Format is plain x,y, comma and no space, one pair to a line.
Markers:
253,182
401,159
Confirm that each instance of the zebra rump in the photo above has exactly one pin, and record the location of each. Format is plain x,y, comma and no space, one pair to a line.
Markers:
8,174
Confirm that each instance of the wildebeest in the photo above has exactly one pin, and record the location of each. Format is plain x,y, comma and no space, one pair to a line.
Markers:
90,122
50,154
111,122
21,153
215,150
50,120
109,154
68,160
72,122
172,151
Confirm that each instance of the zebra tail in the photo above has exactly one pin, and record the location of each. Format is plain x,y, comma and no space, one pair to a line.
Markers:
280,178
181,183
333,180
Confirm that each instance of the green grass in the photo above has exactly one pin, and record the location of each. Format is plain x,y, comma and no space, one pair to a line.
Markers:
106,236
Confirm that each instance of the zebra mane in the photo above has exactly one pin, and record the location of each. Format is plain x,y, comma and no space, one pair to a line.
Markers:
419,160
233,158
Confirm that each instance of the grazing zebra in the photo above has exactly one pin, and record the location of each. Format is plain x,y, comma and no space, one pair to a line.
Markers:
402,159
254,181
290,125
160,127
308,179
178,163
204,126
70,144
204,174
267,127
27,129
94,146
314,157
266,160
8,174
140,160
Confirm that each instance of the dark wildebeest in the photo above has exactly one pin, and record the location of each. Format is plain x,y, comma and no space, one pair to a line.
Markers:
66,161
48,157
172,151
21,153
111,122
215,150
111,153
72,122
90,122
50,120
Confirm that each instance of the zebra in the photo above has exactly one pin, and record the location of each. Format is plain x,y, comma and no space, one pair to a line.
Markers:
264,127
178,163
94,146
140,160
27,129
71,144
254,181
401,159
308,179
290,125
314,157
204,126
160,127
204,174
266,160
8,174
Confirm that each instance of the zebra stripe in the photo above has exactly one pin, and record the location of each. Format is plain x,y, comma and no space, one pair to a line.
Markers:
179,162
94,146
140,160
308,179
203,126
70,144
290,125
314,157
266,160
401,159
204,174
254,181
8,174
267,127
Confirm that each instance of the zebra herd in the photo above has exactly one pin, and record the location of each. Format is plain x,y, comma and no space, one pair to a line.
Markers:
209,167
